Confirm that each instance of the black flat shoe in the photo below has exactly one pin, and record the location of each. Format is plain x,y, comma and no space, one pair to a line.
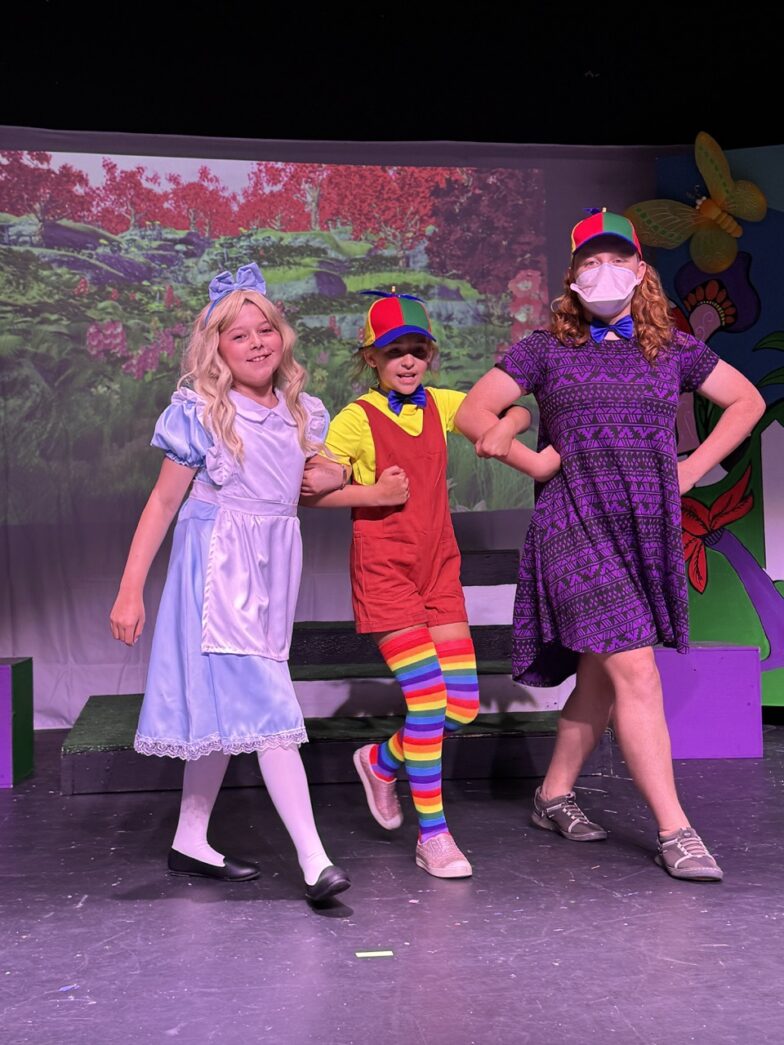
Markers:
233,870
331,881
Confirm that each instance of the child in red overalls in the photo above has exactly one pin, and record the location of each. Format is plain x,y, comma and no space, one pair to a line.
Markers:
405,567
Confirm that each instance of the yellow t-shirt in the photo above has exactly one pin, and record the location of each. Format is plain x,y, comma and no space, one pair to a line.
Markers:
349,437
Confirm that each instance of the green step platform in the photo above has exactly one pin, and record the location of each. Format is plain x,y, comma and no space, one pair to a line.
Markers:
98,755
16,720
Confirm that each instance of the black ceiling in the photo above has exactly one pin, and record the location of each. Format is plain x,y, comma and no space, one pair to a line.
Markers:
577,74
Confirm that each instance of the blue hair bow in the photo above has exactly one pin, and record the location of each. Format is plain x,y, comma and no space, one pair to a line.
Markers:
248,277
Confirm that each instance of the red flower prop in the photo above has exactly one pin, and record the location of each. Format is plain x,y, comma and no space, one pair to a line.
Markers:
700,521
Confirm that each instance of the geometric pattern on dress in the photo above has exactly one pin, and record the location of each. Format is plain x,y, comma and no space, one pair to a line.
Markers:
602,567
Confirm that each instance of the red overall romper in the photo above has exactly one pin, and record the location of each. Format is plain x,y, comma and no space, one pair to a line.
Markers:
405,563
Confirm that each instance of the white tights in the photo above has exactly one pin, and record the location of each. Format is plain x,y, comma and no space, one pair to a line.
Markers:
201,783
284,777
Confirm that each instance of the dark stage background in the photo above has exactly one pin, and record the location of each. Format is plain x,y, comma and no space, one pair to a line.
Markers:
609,74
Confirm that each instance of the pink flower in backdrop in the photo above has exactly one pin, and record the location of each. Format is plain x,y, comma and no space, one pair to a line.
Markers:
527,305
148,360
107,339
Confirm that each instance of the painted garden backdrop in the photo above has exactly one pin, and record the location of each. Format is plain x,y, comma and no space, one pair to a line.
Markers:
104,262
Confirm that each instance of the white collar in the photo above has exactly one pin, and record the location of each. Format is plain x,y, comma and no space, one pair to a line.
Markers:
250,410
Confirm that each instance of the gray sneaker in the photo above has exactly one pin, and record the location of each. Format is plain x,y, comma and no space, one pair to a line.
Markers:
562,814
683,855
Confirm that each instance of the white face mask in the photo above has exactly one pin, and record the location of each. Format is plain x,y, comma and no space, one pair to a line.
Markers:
606,289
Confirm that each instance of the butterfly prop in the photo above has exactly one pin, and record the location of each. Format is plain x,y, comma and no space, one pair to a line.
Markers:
710,227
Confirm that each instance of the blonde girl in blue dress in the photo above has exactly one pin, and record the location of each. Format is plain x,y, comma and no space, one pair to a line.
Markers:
239,432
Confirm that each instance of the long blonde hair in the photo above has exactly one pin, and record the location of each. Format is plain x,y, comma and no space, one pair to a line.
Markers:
205,370
653,325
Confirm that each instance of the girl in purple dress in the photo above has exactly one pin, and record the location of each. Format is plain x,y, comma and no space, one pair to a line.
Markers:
602,577
242,435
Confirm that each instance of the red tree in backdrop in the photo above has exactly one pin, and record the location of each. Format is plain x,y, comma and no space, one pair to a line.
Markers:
489,225
204,205
267,201
394,204
128,199
30,185
305,184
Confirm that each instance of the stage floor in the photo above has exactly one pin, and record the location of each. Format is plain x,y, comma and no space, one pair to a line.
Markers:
550,943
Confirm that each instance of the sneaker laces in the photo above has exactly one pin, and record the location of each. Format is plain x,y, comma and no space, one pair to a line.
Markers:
570,807
691,844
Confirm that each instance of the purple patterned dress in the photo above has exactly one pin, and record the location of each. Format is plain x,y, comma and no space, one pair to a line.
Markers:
602,566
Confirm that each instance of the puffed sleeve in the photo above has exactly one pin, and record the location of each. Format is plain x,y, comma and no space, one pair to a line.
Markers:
179,431
448,401
695,361
525,361
347,434
318,418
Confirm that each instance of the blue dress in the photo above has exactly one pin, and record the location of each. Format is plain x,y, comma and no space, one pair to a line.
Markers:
218,678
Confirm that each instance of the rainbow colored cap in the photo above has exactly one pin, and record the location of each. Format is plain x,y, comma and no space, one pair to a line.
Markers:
392,316
604,223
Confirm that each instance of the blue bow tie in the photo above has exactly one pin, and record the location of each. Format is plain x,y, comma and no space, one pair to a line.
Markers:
623,328
397,400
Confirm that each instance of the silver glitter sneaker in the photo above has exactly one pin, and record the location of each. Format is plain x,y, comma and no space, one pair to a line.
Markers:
381,796
440,857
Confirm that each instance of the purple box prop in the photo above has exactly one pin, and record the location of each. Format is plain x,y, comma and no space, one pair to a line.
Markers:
713,701
16,719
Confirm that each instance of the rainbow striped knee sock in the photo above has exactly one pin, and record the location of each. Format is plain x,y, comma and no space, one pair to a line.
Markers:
458,666
413,660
